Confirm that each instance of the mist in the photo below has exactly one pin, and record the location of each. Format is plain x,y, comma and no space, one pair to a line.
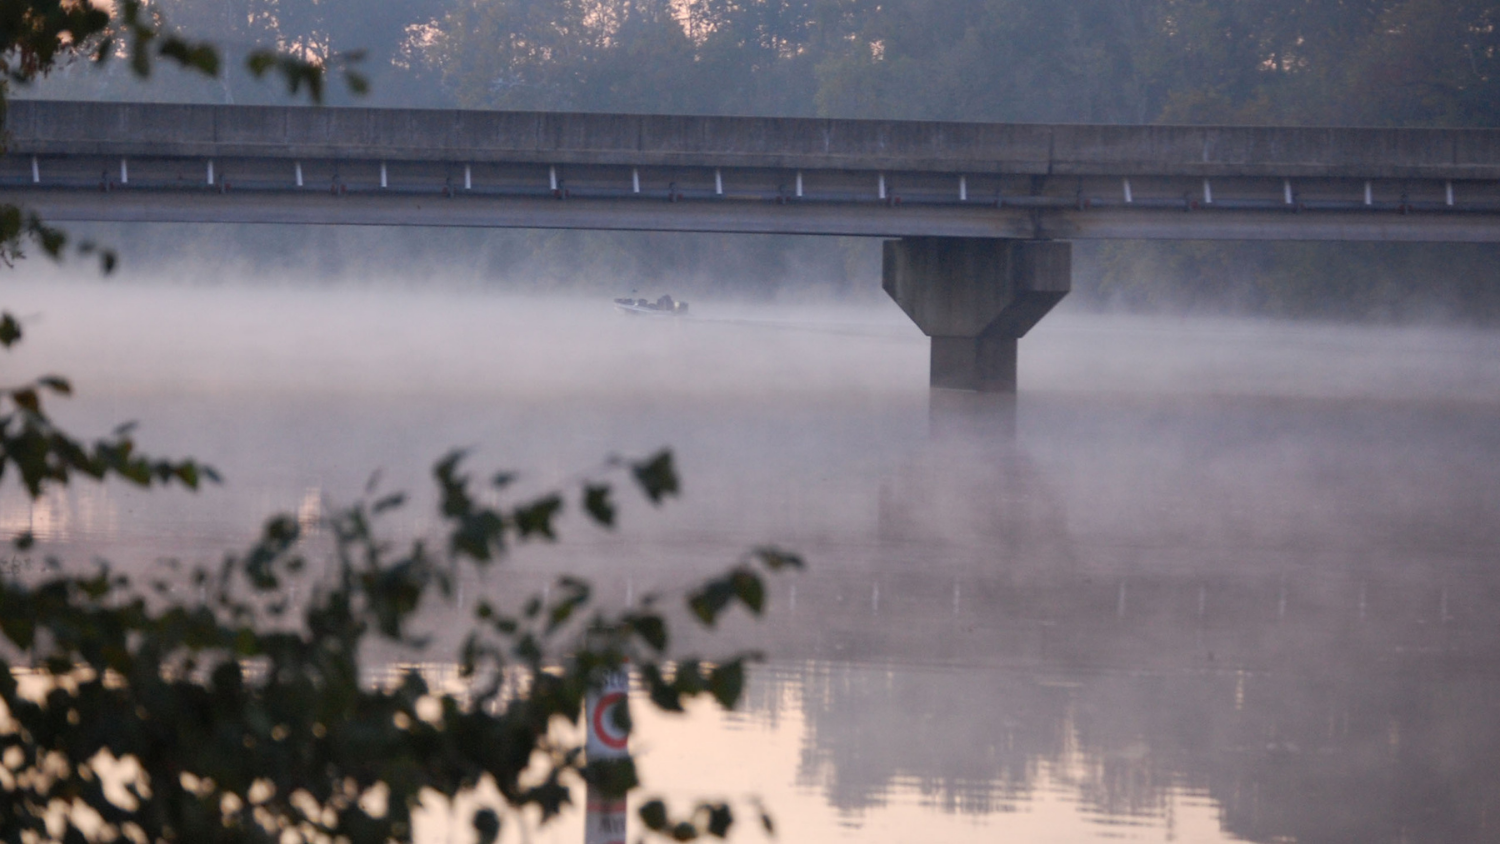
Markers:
1198,523
1351,283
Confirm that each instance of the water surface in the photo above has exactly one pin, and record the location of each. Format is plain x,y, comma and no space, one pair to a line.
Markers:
1229,580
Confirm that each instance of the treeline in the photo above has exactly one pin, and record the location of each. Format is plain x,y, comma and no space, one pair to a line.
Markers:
1332,62
1341,62
1365,62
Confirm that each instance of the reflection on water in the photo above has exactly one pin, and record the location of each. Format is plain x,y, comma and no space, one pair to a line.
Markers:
1388,746
1204,581
878,753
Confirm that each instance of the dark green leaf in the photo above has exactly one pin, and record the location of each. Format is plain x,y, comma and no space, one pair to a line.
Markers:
776,559
748,587
657,476
651,628
26,398
576,593
358,83
536,518
390,502
665,695
688,678
709,601
720,819
259,62
727,682
654,815
487,826
561,613
201,57
597,504
10,330
52,240
188,474
56,384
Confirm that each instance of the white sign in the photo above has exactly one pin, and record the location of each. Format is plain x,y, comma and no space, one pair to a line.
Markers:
607,738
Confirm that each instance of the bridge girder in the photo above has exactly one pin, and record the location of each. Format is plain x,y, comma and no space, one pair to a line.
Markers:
750,215
245,164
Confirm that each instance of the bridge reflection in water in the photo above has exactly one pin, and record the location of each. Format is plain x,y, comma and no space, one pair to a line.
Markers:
994,661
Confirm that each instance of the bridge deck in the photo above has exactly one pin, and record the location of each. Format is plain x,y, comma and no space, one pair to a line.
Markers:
186,163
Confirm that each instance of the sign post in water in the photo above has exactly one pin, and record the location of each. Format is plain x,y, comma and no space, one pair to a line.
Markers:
608,738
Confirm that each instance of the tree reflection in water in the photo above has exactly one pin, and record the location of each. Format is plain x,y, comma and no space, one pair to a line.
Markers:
1320,683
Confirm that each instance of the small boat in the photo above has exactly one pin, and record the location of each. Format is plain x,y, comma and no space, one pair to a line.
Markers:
664,306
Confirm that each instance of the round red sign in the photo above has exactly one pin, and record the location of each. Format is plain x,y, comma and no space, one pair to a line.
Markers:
610,735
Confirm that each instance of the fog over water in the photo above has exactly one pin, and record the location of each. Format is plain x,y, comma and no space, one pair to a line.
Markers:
1229,580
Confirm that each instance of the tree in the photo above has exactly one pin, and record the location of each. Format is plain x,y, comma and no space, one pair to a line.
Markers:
1429,63
239,721
239,717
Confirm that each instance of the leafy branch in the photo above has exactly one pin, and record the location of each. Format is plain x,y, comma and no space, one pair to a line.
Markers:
243,728
39,36
42,454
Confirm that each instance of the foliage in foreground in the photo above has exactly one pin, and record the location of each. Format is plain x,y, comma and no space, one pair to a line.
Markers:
236,717
38,37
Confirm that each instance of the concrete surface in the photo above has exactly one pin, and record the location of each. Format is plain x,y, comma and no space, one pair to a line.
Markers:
291,132
975,297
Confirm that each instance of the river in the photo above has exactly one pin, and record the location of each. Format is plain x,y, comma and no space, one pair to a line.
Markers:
1217,579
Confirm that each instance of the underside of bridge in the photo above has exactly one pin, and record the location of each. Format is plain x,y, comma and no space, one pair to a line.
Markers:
976,297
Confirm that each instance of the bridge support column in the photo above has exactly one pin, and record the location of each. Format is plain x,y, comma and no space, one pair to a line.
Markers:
975,297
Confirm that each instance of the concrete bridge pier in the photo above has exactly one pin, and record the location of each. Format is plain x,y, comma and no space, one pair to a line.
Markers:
975,297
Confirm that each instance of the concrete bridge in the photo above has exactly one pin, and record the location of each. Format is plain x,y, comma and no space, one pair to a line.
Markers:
979,215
